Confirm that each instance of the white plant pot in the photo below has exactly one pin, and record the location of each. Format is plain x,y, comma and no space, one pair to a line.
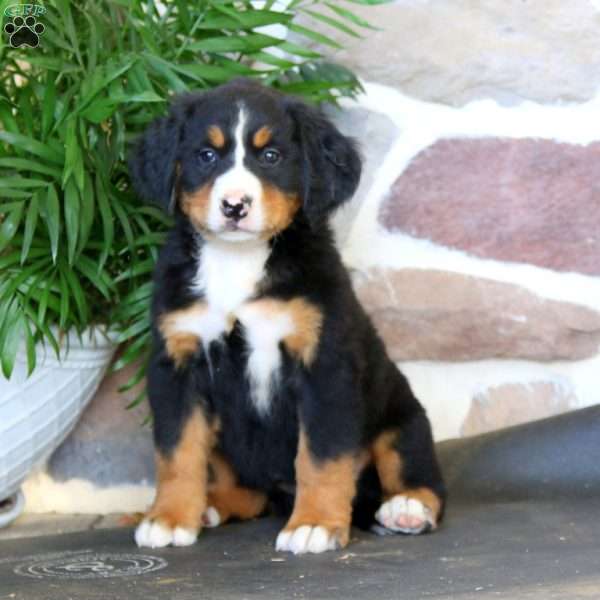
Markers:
37,412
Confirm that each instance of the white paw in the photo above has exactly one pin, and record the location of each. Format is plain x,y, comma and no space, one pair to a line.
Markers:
155,535
306,539
211,517
405,515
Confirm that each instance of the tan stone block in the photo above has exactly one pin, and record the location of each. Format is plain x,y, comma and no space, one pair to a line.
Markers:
438,315
456,51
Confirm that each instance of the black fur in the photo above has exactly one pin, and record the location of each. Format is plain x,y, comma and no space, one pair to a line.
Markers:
330,162
352,392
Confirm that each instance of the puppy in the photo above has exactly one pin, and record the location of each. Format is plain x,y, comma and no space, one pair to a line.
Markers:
267,379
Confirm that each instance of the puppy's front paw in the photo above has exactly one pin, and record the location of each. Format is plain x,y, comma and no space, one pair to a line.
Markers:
157,533
403,514
310,538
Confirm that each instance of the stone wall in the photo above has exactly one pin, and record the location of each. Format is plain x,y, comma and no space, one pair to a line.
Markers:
475,236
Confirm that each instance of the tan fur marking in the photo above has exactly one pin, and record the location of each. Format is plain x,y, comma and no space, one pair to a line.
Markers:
279,209
216,136
182,477
324,492
180,344
196,204
229,498
307,321
262,137
388,463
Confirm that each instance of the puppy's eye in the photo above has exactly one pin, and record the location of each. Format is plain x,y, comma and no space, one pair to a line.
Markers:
270,156
207,156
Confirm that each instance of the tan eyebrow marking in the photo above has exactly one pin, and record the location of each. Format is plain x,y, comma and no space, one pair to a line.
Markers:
216,136
262,137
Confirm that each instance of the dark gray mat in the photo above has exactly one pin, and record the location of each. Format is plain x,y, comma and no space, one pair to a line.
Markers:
523,522
547,459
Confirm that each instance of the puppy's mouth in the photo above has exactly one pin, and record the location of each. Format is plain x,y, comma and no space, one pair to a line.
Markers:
233,231
235,226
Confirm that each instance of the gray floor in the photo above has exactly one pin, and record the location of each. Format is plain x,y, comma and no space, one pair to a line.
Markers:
523,523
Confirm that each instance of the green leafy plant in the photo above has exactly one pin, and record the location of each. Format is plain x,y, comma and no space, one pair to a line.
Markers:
77,247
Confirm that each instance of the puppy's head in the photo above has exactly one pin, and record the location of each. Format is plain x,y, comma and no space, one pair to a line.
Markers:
243,161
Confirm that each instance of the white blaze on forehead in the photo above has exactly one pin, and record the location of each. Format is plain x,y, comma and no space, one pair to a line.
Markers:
237,179
240,148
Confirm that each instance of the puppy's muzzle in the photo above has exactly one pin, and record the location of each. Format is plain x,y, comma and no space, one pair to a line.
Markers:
235,207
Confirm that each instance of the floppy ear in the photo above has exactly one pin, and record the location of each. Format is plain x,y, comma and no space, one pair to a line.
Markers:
152,161
331,163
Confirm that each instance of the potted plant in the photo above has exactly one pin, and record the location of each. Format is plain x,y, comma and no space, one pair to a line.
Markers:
77,248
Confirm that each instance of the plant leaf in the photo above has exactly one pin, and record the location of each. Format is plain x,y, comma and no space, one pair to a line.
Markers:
350,16
30,165
99,110
63,316
314,35
200,72
11,337
78,293
50,210
107,220
49,105
33,146
235,43
9,226
89,269
30,224
21,182
299,50
166,70
29,348
72,210
73,156
87,211
332,22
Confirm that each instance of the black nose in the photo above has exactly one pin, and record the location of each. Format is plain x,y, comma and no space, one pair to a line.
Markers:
235,210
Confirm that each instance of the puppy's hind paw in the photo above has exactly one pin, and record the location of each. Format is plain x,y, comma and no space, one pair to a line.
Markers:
403,514
211,517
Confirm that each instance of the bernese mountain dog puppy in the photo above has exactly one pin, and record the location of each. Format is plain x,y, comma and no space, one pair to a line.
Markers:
268,383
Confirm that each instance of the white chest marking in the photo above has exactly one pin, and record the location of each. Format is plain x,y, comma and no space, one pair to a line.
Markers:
228,275
264,332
